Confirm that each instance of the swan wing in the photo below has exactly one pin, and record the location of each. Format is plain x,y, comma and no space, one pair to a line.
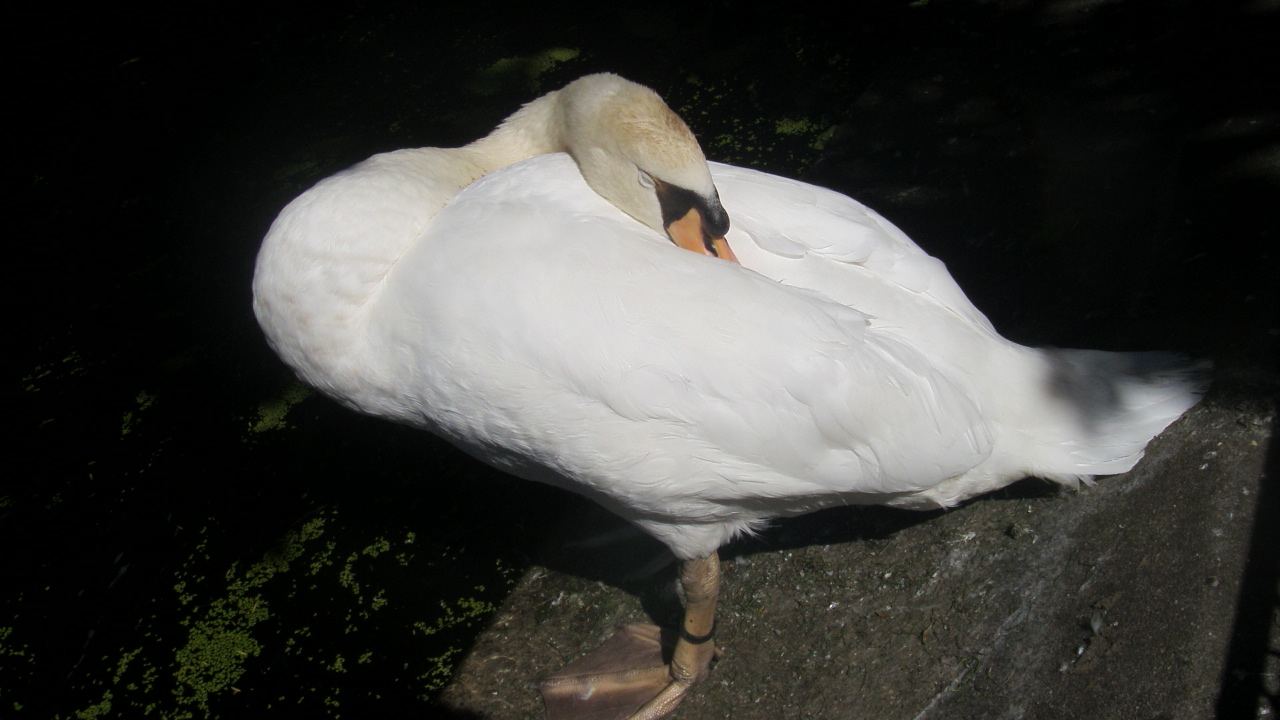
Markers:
549,325
787,222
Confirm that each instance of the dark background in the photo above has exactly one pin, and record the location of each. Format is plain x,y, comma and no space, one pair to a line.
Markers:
1099,174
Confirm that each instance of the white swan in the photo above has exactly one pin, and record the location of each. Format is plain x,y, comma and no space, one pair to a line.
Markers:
486,294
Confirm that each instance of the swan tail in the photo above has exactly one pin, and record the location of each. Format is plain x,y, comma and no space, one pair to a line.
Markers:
1108,406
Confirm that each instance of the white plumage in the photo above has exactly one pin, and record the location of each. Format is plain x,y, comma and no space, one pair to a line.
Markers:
540,328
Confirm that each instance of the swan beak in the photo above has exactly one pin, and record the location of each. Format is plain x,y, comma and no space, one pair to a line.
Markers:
689,233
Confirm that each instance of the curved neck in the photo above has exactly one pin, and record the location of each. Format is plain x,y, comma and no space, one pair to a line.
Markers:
535,129
328,253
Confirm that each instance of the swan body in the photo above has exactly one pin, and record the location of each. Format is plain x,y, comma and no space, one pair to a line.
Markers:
528,306
543,331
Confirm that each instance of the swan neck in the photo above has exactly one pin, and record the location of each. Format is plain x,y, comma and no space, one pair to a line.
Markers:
324,263
535,129
329,255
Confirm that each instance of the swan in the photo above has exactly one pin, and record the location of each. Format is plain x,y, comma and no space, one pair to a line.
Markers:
532,298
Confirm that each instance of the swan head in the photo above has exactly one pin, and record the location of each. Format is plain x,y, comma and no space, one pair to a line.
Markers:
638,154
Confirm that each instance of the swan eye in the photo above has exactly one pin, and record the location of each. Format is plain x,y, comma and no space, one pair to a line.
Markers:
646,180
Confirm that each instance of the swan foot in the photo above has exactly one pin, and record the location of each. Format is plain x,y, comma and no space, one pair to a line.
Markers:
626,677
613,681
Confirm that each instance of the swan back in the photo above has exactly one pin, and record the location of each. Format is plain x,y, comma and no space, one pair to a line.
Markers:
323,263
326,257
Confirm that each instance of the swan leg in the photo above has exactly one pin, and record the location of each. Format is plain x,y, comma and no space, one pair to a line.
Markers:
626,677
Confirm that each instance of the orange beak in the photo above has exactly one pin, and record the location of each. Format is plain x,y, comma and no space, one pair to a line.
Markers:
688,232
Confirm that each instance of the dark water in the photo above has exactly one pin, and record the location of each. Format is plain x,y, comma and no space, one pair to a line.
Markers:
192,535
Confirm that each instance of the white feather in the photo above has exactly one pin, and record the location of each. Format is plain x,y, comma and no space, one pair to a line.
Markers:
548,333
